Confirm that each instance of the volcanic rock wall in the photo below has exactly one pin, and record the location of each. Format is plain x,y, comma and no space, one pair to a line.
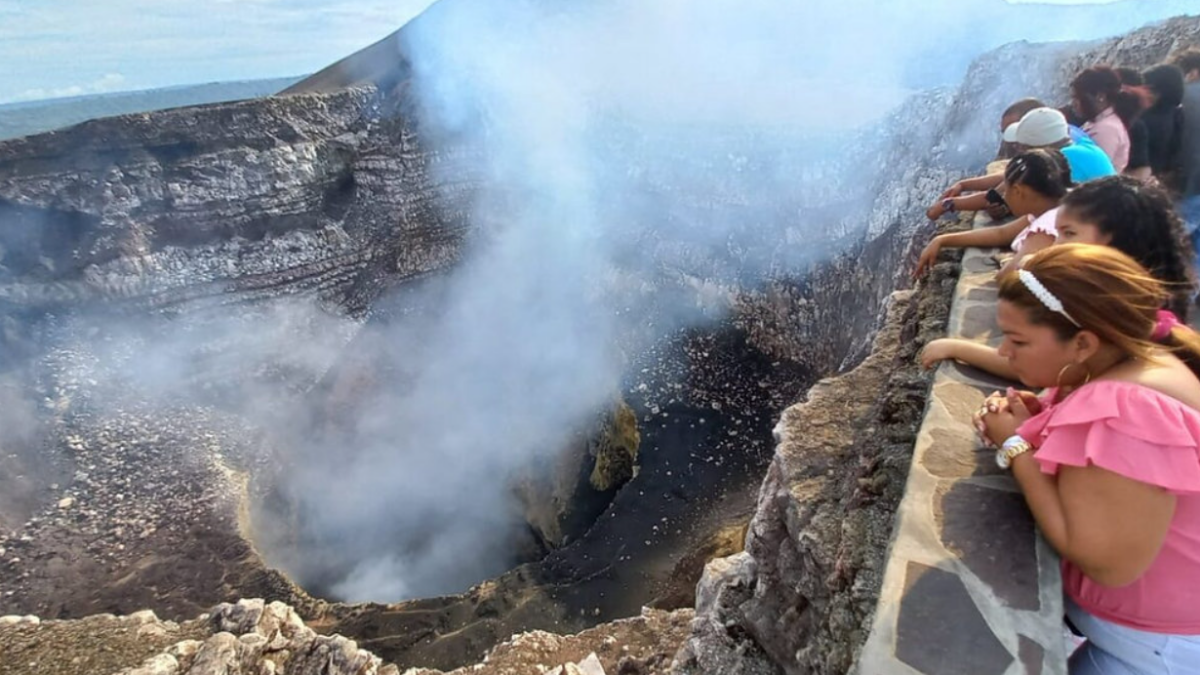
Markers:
304,194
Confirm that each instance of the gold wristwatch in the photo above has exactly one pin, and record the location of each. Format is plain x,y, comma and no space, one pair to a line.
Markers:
1013,446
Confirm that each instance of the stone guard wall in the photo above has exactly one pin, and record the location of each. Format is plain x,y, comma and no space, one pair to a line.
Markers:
970,586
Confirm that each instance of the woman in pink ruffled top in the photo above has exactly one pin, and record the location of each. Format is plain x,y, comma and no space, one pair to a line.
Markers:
1109,457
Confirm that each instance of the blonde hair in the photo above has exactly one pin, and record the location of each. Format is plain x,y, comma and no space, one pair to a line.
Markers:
1105,292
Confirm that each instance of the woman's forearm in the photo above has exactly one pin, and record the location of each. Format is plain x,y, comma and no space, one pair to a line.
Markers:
983,357
972,202
1032,244
1041,494
987,237
982,183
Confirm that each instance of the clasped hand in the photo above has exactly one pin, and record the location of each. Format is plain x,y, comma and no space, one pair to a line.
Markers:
1003,413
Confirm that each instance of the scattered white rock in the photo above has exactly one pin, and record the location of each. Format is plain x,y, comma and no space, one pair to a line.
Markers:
185,649
591,665
161,664
151,630
143,617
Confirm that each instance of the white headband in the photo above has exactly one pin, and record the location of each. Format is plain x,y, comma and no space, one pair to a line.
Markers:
1044,295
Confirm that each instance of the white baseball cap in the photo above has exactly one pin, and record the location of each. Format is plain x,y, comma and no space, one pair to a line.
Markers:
1038,128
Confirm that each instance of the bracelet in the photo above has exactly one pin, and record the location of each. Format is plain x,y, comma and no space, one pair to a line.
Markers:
1011,441
1009,450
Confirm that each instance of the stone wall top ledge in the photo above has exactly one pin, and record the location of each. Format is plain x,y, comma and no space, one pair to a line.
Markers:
969,582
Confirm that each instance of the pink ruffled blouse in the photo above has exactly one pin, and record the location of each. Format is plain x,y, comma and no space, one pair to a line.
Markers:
1152,438
1047,223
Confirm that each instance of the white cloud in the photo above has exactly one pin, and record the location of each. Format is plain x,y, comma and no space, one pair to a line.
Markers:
104,84
63,48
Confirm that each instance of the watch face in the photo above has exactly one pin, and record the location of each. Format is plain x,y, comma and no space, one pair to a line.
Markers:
1002,459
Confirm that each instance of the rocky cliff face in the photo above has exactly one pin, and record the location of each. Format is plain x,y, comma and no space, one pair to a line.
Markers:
798,598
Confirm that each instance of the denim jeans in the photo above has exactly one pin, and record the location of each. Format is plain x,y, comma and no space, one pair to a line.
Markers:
1112,649
1189,211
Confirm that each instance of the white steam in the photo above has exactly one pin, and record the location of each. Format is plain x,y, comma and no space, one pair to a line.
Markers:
639,157
633,151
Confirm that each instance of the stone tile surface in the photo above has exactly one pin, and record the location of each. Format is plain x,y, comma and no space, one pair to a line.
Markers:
993,533
969,587
979,321
950,454
976,264
935,605
1032,656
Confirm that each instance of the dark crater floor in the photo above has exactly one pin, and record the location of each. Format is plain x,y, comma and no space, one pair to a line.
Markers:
119,498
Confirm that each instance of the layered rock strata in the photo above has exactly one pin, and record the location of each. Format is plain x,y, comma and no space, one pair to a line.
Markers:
312,195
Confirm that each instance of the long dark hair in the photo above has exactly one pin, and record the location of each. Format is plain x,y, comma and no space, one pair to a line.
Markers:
1165,81
1103,80
1143,224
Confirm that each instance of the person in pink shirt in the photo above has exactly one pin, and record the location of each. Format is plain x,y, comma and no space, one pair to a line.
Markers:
1109,457
1107,109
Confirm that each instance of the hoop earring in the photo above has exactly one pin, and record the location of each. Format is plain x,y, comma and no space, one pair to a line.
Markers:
1087,375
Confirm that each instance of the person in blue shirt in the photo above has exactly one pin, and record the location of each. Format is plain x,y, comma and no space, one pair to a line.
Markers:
1048,128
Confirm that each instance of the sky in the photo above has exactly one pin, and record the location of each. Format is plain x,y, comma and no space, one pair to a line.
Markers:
56,48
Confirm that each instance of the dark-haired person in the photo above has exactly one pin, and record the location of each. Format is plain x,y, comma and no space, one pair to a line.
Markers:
983,185
1108,459
1034,182
1188,61
1164,119
1139,135
1138,220
1108,109
1012,114
1119,212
